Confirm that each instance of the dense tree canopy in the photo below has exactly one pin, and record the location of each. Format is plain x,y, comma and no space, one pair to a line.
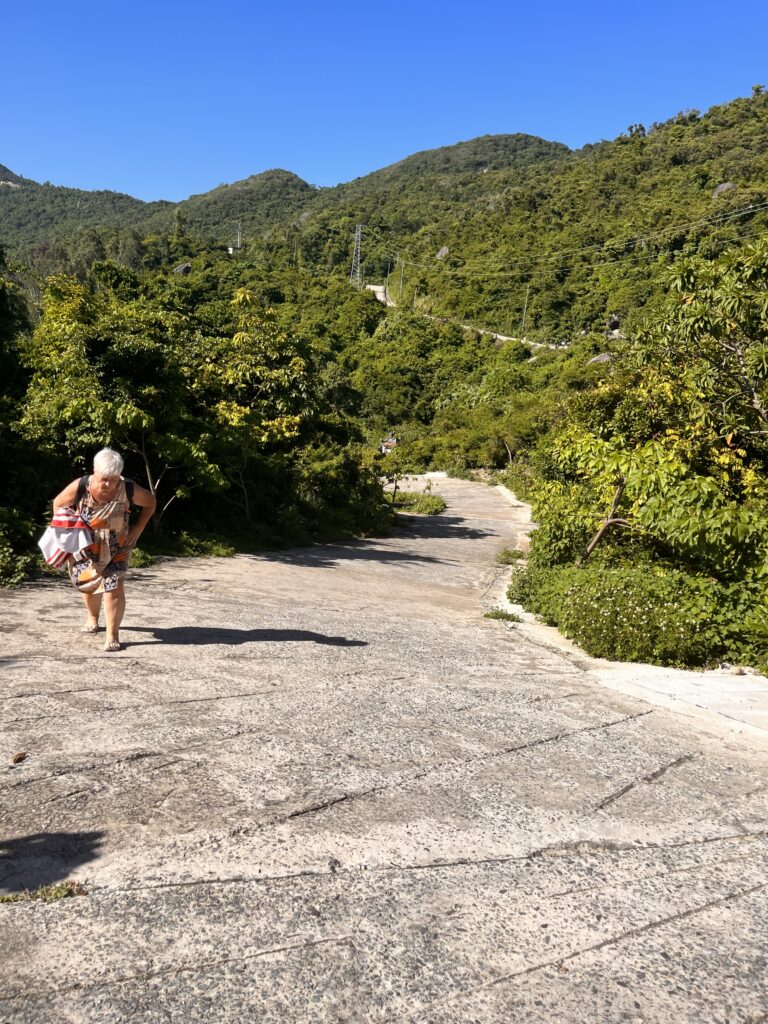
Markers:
625,391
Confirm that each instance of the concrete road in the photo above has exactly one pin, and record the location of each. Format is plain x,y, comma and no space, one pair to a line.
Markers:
319,786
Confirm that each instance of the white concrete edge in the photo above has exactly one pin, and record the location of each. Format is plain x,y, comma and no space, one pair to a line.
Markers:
715,697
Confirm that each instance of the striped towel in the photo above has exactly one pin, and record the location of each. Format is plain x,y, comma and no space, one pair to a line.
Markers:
67,536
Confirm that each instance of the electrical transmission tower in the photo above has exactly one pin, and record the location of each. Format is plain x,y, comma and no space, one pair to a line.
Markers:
355,275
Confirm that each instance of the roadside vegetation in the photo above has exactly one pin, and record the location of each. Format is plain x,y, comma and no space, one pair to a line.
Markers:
652,498
250,390
501,615
47,893
421,504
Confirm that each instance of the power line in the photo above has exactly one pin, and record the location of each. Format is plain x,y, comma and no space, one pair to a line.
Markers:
488,274
713,220
497,334
631,258
469,271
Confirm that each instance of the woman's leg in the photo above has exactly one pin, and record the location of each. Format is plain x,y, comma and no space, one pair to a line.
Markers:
114,609
92,609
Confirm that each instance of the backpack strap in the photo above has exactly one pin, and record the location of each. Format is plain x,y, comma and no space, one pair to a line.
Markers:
82,487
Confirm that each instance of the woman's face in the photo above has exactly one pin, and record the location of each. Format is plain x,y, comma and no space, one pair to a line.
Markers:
106,483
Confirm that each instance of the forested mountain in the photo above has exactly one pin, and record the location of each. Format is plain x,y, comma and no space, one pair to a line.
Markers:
253,205
32,214
45,215
521,223
250,388
581,234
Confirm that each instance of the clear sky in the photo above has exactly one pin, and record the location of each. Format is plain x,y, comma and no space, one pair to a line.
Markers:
166,99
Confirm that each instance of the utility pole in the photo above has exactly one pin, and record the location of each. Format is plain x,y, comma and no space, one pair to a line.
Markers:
386,283
355,275
525,310
239,234
400,293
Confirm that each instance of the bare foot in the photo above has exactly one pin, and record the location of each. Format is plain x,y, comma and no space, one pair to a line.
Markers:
112,645
90,627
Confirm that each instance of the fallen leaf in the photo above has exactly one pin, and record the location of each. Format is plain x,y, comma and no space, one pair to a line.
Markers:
18,758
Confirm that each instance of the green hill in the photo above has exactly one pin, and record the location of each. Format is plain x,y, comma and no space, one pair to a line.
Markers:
257,203
580,234
519,223
31,213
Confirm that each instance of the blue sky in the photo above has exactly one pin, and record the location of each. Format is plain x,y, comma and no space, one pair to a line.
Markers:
166,99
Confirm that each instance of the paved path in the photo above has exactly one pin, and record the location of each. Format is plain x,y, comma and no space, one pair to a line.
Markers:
383,296
319,786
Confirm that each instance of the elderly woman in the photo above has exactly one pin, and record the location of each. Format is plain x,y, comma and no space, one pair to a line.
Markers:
103,501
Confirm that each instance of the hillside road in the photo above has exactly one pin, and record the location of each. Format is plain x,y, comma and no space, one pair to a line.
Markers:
318,786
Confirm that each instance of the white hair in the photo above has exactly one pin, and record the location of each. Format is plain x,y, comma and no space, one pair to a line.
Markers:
108,462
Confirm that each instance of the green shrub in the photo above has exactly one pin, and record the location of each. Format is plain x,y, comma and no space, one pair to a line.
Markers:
429,505
140,559
423,504
13,567
541,591
16,563
648,612
509,556
458,471
565,522
499,613
402,499
208,547
519,478
337,494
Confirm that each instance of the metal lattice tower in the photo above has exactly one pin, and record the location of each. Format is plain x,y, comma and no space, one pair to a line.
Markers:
355,275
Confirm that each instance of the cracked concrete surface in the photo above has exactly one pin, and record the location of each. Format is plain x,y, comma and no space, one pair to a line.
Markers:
318,786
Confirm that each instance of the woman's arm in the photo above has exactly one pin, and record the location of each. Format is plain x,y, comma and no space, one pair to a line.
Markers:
147,502
68,496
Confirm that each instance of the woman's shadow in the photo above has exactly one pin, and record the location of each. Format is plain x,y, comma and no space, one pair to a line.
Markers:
28,862
200,635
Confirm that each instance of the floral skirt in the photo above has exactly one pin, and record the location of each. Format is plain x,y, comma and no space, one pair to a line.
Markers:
99,568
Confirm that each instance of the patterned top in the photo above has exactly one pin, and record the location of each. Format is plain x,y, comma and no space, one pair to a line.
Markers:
99,568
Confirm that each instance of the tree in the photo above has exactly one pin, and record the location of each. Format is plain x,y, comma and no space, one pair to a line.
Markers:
14,318
714,336
113,371
672,449
257,387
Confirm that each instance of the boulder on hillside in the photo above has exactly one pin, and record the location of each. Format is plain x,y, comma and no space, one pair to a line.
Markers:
726,186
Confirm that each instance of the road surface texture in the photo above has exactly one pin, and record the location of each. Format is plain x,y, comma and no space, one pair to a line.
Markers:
318,785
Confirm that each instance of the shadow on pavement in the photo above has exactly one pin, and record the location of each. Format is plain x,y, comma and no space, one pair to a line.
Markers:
324,556
31,861
200,635
447,527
